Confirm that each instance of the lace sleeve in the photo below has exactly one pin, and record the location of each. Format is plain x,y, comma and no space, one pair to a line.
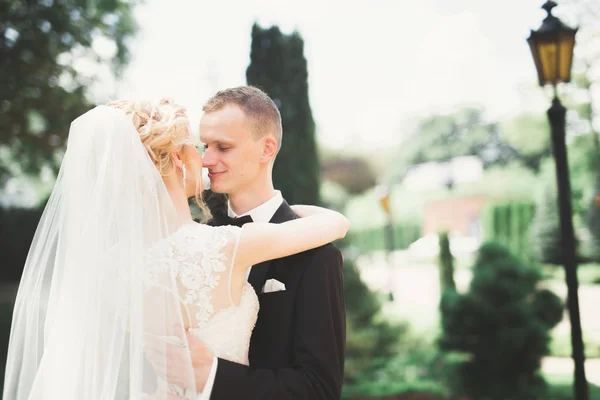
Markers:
232,235
204,258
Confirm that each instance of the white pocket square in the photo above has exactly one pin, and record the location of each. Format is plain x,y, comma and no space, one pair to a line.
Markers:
273,285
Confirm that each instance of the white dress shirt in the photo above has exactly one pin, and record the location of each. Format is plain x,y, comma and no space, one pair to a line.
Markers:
262,213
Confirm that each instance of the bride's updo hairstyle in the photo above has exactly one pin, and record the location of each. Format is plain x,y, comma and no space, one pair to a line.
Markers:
163,128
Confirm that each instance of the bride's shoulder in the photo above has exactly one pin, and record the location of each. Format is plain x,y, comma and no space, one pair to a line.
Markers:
195,240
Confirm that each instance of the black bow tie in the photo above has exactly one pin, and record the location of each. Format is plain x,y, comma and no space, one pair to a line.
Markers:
239,221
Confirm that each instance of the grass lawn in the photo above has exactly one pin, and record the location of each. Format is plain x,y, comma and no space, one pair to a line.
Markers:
561,344
587,274
561,387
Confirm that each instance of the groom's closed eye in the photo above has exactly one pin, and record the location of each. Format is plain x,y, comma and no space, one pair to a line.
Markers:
220,147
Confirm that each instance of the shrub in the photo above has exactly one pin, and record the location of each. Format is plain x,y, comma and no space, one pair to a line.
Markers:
502,326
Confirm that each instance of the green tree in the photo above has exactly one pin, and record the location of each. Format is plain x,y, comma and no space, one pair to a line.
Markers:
502,324
583,170
593,225
529,135
277,66
584,151
441,137
41,90
354,174
465,132
585,14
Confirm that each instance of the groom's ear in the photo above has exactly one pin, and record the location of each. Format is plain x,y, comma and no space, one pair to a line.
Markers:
269,149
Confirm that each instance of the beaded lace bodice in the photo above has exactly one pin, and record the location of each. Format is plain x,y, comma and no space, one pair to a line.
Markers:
200,258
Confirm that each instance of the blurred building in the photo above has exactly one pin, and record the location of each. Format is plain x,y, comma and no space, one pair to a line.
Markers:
458,215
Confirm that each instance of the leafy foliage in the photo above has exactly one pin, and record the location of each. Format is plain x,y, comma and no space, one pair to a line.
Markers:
584,76
42,90
583,172
529,135
355,174
593,224
441,137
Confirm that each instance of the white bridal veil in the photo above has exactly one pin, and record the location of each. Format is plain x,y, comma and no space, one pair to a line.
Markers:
87,309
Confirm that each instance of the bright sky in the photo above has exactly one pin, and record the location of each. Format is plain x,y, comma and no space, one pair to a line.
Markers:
373,65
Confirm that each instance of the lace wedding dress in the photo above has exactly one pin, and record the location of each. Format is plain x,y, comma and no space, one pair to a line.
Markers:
201,258
111,276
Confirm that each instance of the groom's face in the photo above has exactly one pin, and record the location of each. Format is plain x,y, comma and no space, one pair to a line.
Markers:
232,155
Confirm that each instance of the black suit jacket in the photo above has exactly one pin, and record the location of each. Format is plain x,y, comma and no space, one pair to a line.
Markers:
297,347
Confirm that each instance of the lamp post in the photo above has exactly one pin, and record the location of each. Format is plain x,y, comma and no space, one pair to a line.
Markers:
552,49
383,193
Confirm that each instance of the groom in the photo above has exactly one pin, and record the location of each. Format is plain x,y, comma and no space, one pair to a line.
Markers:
297,347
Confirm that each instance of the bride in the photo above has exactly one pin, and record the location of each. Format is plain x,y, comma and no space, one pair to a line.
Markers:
118,270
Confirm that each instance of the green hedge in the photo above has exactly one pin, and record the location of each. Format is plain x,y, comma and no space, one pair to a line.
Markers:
373,239
508,224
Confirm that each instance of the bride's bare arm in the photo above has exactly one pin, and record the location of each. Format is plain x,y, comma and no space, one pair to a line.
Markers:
264,241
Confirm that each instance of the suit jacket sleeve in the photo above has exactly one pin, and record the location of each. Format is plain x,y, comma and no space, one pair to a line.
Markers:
319,343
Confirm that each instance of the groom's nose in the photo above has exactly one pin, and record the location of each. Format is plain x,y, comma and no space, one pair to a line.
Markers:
209,159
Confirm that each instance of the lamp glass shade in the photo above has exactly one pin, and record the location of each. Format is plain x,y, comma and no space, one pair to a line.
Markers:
552,48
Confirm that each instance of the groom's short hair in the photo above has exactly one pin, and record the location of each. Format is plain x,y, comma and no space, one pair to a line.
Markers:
256,105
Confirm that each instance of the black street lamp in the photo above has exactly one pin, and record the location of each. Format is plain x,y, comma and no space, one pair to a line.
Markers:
552,49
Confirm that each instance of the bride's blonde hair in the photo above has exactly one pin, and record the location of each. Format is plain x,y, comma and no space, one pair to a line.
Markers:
163,128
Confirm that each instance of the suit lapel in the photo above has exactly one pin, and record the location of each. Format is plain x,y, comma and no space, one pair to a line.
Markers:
258,273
